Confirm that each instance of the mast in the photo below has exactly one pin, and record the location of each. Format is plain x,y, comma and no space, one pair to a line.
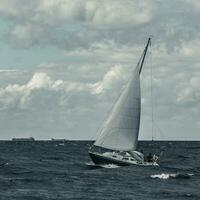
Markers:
141,65
144,54
152,107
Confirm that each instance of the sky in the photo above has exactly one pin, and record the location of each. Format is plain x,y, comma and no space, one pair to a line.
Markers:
63,63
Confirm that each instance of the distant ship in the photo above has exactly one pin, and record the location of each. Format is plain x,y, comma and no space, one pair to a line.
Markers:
23,139
58,140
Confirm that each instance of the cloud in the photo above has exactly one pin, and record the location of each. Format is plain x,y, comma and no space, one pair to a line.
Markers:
194,3
41,87
22,96
49,103
102,14
86,26
71,24
117,14
111,78
83,92
190,49
108,52
189,93
16,8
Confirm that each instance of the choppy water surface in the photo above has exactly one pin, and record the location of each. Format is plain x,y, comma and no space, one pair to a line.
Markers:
54,170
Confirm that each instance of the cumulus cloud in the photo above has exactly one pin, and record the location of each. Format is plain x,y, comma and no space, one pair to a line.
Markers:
108,52
111,78
48,103
189,92
194,3
71,23
34,91
81,25
113,13
20,96
190,49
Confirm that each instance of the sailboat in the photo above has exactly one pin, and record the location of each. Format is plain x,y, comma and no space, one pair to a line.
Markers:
117,142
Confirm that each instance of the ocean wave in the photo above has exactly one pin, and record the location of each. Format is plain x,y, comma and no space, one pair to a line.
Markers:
182,156
194,147
61,144
92,165
56,158
110,166
172,175
3,164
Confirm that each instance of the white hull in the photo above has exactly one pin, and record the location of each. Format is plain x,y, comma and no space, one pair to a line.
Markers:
120,159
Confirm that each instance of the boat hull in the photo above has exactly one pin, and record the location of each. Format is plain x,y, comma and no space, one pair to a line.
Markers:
100,159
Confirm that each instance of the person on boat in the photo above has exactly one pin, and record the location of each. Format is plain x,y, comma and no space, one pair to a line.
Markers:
155,158
149,158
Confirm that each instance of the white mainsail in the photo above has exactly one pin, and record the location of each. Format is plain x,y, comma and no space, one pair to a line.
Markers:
120,131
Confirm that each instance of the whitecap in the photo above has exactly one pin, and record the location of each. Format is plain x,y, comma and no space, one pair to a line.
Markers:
90,163
96,166
110,166
163,176
171,175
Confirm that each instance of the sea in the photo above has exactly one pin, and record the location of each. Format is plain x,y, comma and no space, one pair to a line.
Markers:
53,170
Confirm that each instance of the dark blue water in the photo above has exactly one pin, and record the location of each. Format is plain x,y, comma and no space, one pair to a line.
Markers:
53,170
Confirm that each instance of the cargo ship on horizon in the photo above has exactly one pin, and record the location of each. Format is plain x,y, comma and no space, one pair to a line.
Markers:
59,140
23,139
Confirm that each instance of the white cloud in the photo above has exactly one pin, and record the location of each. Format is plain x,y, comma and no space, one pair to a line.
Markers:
15,8
69,22
20,96
23,96
189,92
49,103
111,78
81,97
109,52
103,14
79,24
118,14
194,3
190,49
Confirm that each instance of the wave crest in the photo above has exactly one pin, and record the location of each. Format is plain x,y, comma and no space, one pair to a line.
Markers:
172,175
109,166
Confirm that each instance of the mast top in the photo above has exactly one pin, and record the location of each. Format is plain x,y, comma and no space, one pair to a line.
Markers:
144,54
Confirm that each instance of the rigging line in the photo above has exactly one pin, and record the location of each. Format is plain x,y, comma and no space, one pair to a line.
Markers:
152,106
159,129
